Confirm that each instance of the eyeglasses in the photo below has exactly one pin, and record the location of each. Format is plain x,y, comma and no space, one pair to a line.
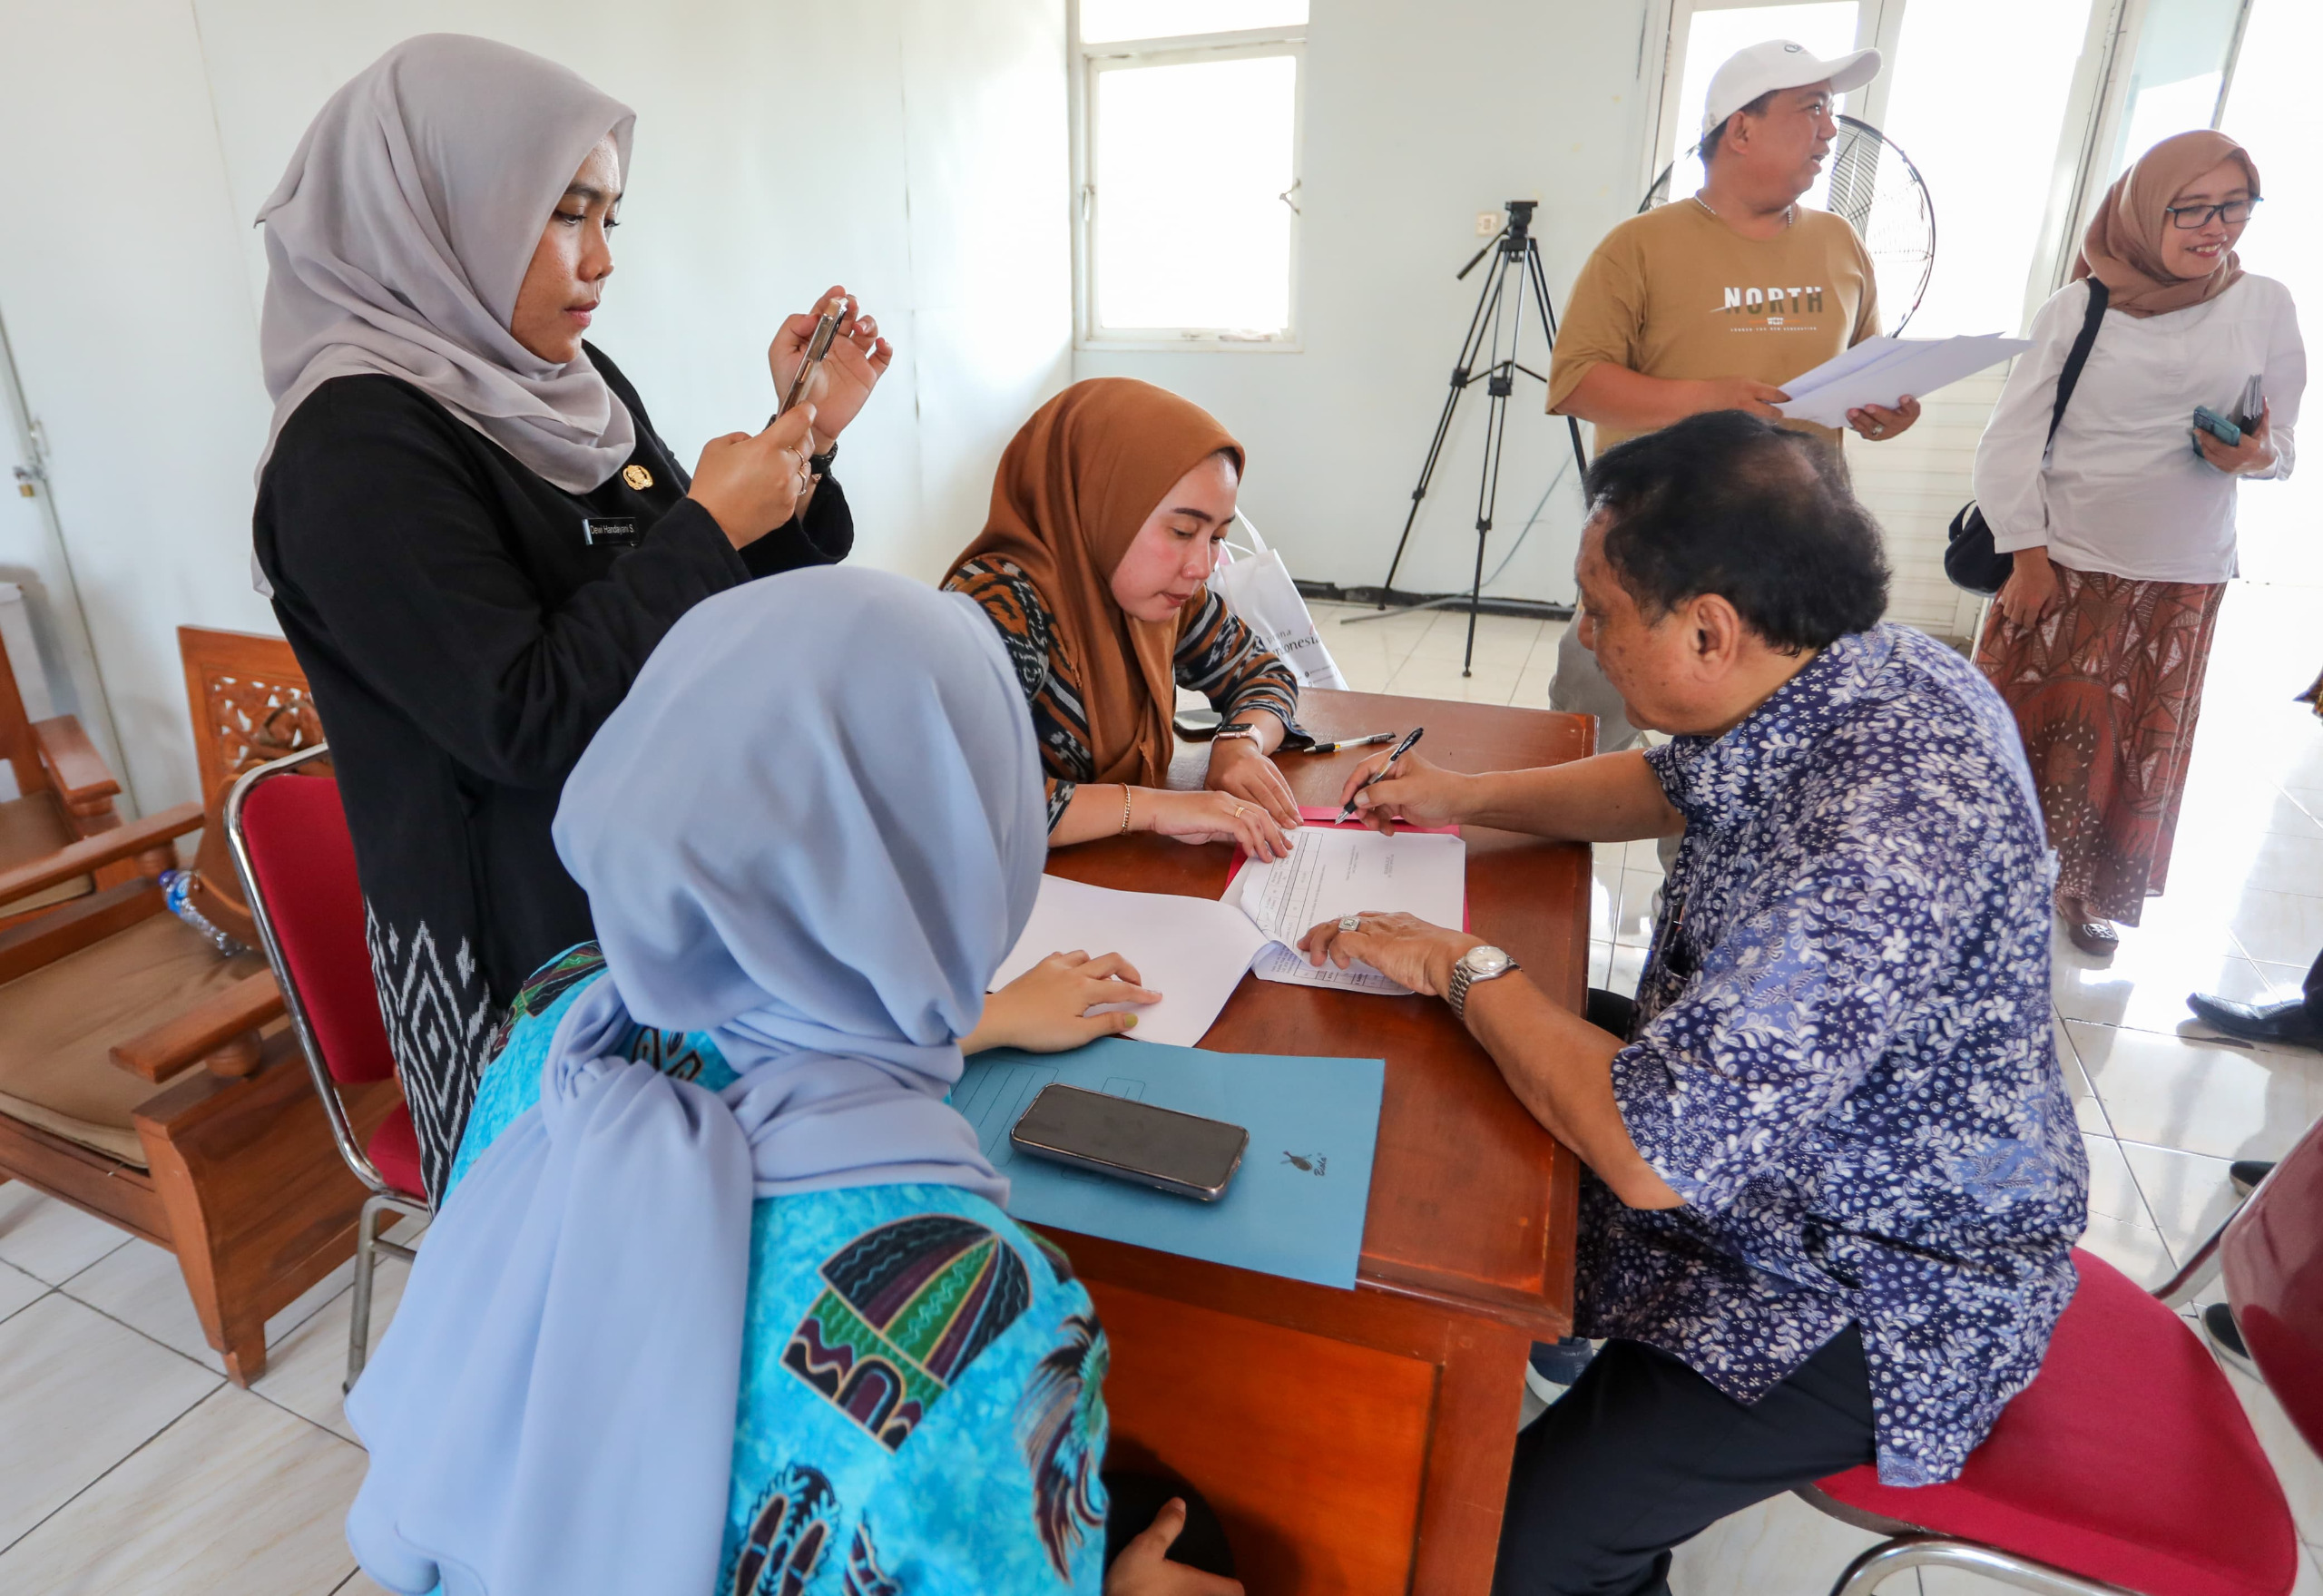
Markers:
2187,217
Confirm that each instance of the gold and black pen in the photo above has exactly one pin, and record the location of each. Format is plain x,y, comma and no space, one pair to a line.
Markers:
1351,742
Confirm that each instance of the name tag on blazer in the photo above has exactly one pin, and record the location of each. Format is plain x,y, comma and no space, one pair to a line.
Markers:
614,531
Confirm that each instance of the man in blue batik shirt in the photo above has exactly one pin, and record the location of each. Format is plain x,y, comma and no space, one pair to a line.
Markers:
1835,1178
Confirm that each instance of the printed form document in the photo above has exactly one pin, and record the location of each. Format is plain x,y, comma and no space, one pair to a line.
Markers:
1193,951
1881,370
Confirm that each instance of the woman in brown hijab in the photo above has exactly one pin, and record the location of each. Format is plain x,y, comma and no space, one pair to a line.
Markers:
1106,515
2123,532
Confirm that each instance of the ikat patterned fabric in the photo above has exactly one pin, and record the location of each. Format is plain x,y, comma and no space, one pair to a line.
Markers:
1843,1060
922,1410
1218,656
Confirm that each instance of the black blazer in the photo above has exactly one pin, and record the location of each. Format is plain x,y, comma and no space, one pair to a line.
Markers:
464,640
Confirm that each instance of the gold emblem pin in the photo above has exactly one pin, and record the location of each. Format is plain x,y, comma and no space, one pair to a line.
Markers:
637,476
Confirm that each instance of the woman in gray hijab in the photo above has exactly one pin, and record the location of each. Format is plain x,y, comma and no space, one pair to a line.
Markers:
472,535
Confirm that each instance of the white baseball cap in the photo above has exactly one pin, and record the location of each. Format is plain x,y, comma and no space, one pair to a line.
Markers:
1780,63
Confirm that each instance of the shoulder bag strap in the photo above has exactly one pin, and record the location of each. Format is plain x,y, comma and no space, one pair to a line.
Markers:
2078,356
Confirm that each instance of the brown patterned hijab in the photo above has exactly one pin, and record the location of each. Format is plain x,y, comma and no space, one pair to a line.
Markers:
1075,486
2123,248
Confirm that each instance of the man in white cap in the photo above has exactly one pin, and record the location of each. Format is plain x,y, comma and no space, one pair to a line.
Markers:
1714,302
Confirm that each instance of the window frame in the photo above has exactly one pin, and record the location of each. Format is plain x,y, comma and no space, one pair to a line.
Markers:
1879,25
1116,54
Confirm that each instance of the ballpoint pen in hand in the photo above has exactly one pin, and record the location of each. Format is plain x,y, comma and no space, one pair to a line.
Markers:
1402,748
1349,742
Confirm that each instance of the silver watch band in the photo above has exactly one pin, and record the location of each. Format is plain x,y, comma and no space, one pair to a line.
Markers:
1463,978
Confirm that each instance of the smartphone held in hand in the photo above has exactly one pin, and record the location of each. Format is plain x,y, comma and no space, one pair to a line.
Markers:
826,330
1183,1154
2217,425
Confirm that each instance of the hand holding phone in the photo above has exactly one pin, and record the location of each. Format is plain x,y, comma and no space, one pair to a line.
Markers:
819,346
2210,421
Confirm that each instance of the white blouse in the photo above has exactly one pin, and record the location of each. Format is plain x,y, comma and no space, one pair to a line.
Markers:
2124,491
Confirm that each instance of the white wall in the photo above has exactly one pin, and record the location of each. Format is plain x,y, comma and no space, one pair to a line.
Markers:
1416,119
912,149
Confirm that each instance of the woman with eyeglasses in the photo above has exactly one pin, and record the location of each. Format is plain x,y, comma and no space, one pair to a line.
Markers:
2122,531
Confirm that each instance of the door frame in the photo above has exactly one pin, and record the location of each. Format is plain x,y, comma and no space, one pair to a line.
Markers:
60,621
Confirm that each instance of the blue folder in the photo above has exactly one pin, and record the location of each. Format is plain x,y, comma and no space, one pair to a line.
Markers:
1295,1206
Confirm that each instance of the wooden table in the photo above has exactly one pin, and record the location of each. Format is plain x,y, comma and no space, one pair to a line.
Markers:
1359,1441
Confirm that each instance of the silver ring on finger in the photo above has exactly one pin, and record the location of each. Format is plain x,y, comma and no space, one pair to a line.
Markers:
1350,922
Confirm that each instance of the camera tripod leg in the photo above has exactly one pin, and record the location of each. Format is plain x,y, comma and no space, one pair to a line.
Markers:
1499,386
1463,374
1516,253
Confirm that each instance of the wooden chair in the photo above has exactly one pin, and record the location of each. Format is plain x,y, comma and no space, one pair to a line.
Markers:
149,1078
63,795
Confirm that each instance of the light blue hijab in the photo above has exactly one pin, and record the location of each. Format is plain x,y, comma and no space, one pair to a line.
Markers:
813,830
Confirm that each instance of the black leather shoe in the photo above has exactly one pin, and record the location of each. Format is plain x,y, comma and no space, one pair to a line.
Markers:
2217,1319
2286,1022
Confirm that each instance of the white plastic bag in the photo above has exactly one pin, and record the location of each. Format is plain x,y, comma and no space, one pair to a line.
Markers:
1258,588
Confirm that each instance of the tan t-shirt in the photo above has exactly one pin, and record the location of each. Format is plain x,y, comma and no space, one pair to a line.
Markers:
1677,293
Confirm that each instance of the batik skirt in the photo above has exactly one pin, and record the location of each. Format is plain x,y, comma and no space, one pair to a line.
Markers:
2106,688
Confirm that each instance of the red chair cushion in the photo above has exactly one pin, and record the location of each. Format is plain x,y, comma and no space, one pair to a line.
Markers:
305,862
2128,1459
395,1151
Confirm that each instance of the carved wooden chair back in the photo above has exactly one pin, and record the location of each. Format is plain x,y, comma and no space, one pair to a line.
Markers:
251,706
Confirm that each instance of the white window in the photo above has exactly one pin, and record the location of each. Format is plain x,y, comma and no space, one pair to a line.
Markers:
1188,165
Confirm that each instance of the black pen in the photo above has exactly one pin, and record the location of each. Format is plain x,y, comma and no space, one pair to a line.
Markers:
1349,742
1402,748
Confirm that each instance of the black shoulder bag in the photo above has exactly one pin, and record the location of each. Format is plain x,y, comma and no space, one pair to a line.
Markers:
1969,558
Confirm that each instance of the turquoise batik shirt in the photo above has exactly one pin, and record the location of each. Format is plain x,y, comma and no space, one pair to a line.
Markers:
921,1410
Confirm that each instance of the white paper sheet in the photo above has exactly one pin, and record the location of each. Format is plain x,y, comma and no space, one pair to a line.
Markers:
1881,370
1192,950
1341,870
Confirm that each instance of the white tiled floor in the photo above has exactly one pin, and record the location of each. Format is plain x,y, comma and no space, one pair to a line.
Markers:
128,1463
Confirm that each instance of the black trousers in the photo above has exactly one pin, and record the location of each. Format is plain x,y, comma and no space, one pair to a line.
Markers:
1643,1453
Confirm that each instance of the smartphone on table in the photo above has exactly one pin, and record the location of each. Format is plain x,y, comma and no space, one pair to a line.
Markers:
1183,1154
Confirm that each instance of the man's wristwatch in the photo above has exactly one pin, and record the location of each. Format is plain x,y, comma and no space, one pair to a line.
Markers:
1478,963
1235,728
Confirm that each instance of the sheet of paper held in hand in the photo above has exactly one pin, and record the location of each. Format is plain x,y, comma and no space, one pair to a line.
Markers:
1295,1206
1194,950
1881,370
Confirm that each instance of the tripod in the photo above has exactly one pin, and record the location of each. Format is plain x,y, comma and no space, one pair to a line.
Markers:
1496,308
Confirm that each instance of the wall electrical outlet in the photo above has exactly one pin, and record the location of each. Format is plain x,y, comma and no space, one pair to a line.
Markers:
1488,223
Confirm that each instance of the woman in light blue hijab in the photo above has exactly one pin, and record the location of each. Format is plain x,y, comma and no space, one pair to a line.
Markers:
722,1298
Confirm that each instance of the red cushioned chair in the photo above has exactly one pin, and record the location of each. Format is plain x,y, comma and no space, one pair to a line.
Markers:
296,861
2128,1465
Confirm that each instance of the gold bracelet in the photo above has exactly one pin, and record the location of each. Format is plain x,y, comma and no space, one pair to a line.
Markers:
1124,831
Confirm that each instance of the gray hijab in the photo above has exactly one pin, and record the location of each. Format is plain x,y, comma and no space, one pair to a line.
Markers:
398,238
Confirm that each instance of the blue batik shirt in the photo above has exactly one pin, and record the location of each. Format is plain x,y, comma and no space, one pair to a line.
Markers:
1843,1060
922,1410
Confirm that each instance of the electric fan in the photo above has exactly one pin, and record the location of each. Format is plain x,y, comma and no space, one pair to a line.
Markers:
1872,183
